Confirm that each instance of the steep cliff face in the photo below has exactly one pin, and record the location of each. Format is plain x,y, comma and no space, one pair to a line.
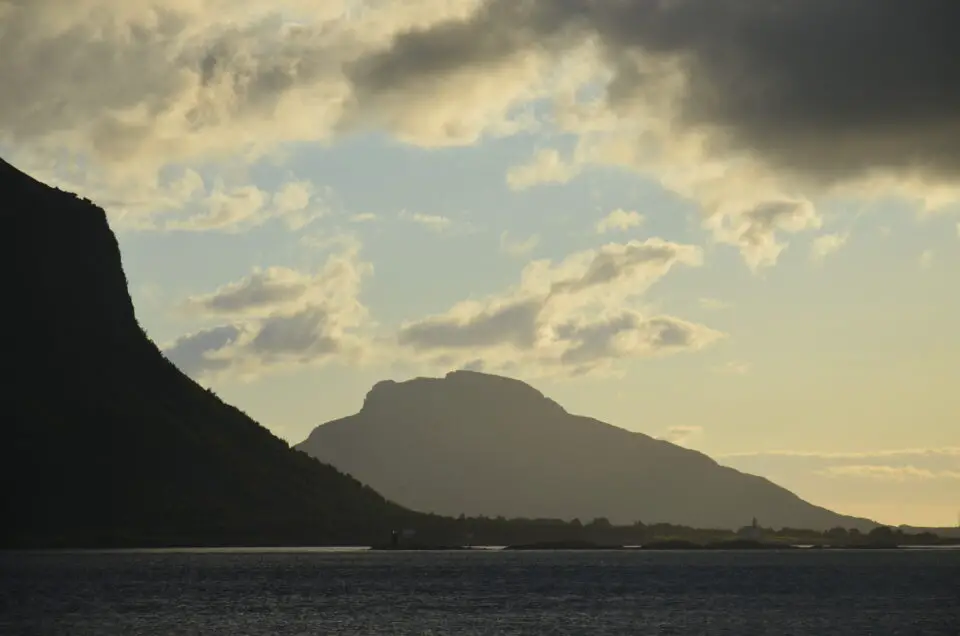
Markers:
105,442
64,264
480,444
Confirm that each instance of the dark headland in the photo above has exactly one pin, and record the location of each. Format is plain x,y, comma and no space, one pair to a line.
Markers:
106,443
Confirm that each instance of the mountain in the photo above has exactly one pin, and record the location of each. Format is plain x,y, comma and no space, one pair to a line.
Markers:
105,442
481,444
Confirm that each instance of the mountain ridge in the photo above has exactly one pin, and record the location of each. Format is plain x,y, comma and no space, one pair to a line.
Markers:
106,442
473,443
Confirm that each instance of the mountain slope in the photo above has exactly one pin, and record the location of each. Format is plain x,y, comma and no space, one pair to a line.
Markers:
105,442
480,444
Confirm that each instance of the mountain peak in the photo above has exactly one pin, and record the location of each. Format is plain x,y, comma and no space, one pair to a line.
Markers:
11,176
461,387
483,444
67,264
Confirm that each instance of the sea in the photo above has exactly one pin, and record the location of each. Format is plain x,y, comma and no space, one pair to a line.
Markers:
255,592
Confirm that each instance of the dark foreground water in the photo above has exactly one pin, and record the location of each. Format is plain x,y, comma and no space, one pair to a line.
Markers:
240,593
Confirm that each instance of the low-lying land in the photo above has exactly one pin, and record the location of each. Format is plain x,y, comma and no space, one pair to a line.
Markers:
875,542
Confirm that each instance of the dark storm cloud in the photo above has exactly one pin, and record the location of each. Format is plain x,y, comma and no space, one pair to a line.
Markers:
833,89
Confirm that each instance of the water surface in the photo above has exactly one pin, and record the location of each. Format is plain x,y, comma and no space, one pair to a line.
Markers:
261,592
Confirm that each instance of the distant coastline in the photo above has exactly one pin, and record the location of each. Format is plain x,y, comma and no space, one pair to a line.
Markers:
734,545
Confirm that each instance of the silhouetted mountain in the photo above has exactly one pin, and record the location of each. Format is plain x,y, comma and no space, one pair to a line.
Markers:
480,444
105,442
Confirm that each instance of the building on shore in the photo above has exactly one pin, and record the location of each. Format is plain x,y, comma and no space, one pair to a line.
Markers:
753,532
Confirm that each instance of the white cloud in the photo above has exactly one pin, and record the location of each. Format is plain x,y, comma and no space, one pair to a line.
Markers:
150,81
888,473
546,166
297,202
183,200
619,220
278,317
734,367
438,224
825,245
128,89
945,451
926,259
884,464
575,316
433,222
519,247
897,484
112,92
264,292
755,230
229,209
293,196
223,208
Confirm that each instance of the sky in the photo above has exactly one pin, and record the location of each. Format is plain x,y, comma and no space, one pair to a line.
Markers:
732,224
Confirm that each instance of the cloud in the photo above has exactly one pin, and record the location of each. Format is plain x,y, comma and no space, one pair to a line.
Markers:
748,108
754,110
620,268
621,220
432,222
519,247
234,208
183,200
910,484
926,259
196,354
297,203
755,230
889,464
734,367
114,93
946,451
546,166
575,316
510,323
803,84
264,291
825,245
278,317
437,223
147,80
888,473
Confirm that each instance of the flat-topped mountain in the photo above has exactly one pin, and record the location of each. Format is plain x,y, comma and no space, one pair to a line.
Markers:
107,443
481,444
